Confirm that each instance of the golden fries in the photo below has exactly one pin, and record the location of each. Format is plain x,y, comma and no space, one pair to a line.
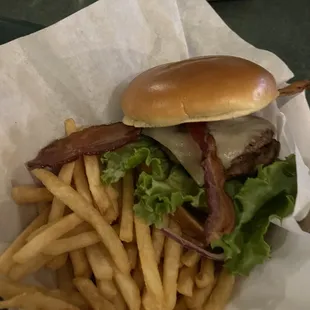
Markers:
64,276
91,293
9,289
29,194
148,260
19,271
172,257
126,225
119,302
181,304
113,195
186,280
85,211
190,258
158,239
80,264
6,258
138,277
93,175
80,180
58,261
129,290
132,253
35,246
107,289
58,207
199,297
221,292
206,273
69,244
100,265
36,300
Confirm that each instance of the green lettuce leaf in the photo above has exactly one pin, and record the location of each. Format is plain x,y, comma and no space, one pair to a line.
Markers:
270,195
156,198
130,156
159,192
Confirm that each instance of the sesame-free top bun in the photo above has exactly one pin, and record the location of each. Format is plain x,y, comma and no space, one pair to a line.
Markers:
198,89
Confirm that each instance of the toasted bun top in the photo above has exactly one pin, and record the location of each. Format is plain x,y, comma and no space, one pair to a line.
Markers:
198,89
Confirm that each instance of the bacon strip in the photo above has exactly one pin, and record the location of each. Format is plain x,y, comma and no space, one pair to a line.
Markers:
221,219
89,141
294,88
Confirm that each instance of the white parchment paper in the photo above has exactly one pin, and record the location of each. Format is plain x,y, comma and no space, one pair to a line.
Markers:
79,67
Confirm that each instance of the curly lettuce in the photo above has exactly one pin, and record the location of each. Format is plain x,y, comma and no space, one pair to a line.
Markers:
271,194
130,156
159,192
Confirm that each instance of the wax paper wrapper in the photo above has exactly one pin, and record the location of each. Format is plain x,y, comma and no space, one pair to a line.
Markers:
79,67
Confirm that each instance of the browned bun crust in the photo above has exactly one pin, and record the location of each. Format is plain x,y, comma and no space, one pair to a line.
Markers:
197,89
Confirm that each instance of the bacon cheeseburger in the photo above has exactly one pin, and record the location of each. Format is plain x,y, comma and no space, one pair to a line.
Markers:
199,155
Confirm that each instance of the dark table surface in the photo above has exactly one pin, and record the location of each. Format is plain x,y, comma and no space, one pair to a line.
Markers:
280,26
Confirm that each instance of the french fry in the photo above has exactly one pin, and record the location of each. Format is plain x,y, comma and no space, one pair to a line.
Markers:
80,180
83,209
93,176
70,126
100,265
58,207
39,230
107,289
206,274
158,239
118,186
6,258
148,260
30,194
9,289
126,224
90,292
19,271
190,258
83,227
58,261
36,300
221,292
69,244
129,289
186,280
119,302
199,297
172,256
80,264
65,174
64,277
42,206
149,301
138,277
116,228
113,196
181,304
37,244
126,284
132,253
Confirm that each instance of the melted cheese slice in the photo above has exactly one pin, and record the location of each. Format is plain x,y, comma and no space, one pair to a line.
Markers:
231,136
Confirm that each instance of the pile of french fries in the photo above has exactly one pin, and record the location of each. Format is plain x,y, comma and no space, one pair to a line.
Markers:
103,255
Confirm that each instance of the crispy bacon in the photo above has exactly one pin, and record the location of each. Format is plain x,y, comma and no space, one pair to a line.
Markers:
89,141
294,88
221,219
